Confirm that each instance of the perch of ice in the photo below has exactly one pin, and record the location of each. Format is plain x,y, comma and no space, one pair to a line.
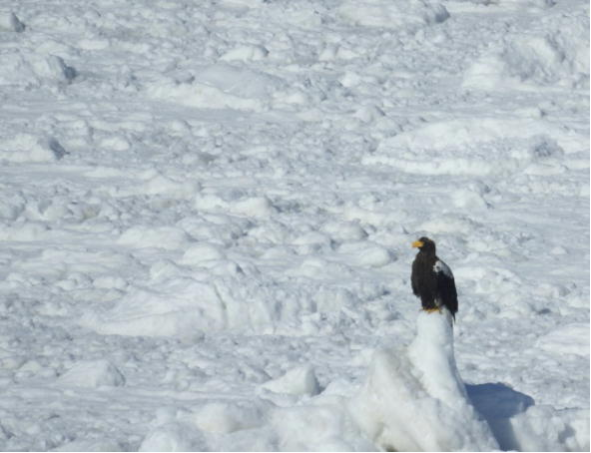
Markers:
414,399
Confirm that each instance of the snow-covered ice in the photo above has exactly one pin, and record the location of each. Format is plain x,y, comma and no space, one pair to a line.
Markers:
206,211
414,399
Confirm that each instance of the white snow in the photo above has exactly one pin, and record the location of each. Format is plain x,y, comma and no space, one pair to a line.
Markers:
206,211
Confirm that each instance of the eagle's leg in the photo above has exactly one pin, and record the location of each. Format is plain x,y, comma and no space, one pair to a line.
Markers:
431,305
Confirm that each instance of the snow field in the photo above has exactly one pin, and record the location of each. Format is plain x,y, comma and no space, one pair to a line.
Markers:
206,214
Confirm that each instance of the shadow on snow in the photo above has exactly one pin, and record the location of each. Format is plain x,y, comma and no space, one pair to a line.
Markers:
498,403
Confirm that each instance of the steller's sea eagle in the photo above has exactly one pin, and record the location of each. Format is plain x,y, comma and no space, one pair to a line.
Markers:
432,279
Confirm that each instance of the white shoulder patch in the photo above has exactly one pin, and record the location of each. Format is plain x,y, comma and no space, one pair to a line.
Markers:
440,266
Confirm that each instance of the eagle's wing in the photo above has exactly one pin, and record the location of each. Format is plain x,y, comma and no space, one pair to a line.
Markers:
414,278
446,286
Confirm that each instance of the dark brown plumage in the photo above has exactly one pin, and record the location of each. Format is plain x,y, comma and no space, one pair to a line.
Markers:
432,279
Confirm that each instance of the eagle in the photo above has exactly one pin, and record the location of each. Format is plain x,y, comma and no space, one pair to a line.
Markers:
432,279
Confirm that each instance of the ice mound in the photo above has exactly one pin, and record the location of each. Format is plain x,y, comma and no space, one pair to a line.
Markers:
10,22
167,238
245,53
557,56
379,13
219,86
179,307
174,436
23,147
240,425
239,204
41,68
203,254
91,445
228,299
570,339
463,147
299,381
543,428
93,374
320,426
158,184
367,254
52,67
415,400
223,417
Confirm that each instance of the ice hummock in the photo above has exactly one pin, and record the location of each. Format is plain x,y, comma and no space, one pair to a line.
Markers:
414,399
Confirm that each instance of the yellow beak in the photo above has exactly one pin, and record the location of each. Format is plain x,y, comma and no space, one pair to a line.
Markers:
417,244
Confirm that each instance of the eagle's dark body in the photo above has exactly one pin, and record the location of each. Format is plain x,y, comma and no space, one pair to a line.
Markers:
432,279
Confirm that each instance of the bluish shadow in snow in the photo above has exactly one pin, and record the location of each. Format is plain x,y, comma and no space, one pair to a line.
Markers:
497,403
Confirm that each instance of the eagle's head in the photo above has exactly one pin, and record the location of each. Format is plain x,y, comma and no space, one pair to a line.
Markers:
425,245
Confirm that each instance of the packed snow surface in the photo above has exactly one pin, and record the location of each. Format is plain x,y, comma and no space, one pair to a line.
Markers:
206,212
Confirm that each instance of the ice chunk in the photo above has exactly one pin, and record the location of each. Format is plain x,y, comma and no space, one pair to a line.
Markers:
53,67
221,417
93,374
174,436
415,400
179,307
299,381
378,13
10,22
220,86
570,339
167,238
23,147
